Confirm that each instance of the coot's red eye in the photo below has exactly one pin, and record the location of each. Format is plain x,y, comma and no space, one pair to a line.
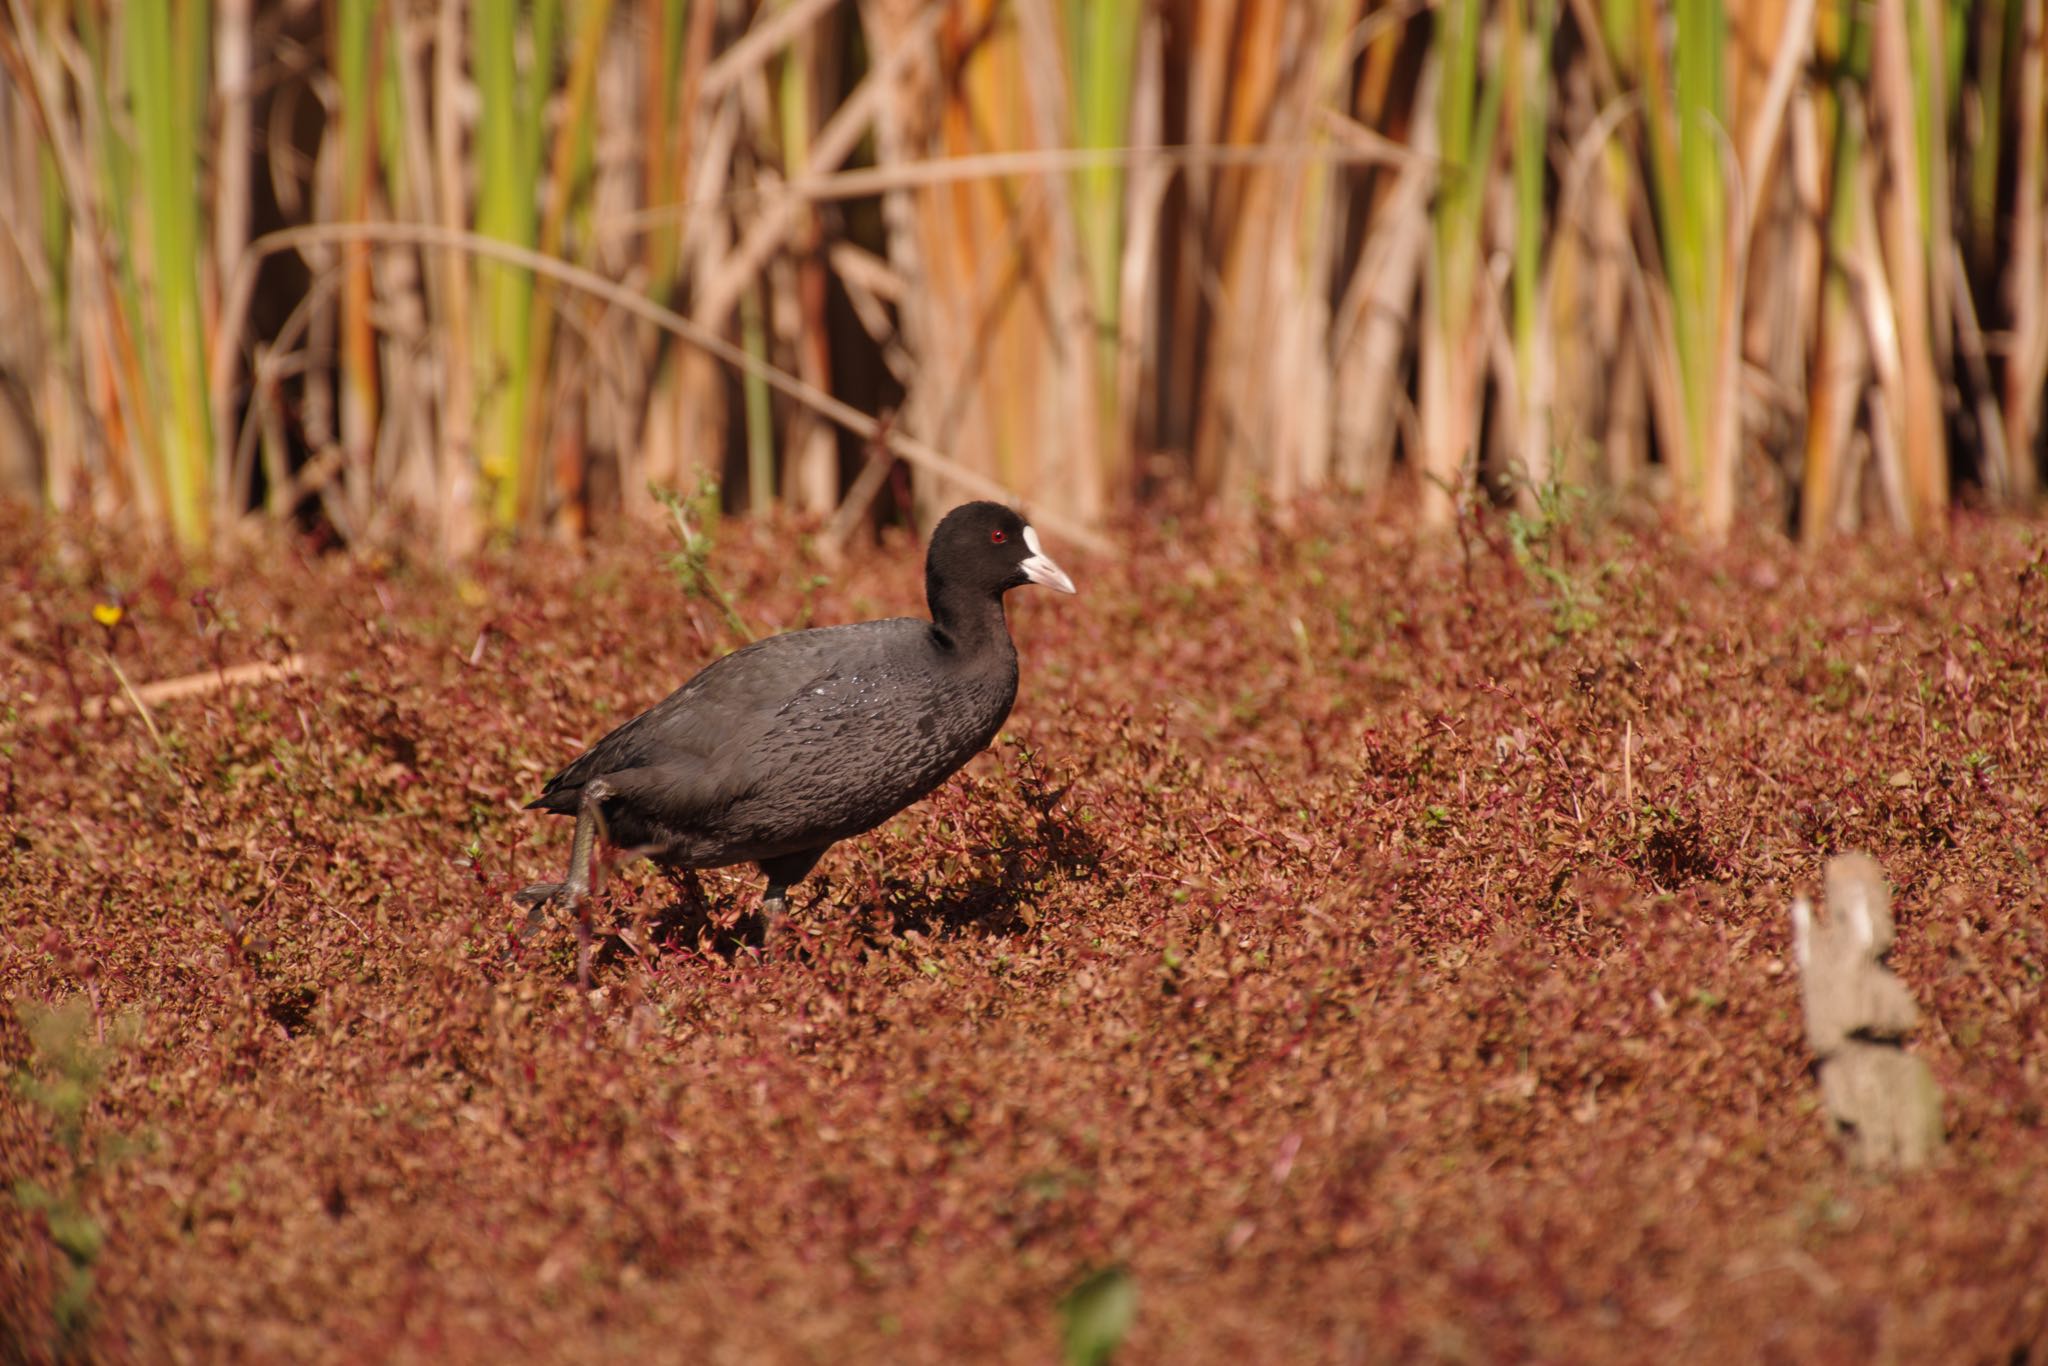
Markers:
998,536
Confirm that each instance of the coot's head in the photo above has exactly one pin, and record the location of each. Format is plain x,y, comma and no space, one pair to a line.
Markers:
986,548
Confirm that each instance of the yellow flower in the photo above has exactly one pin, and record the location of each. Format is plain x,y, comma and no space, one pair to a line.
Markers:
107,614
472,593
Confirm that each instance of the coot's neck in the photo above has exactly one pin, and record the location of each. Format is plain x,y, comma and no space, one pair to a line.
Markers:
968,621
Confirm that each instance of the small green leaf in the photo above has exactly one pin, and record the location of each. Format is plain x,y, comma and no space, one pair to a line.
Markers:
1097,1314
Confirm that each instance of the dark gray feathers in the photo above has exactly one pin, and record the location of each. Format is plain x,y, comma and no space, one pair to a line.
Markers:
795,742
778,750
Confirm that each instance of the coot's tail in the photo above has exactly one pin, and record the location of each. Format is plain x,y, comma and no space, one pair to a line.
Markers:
563,793
560,800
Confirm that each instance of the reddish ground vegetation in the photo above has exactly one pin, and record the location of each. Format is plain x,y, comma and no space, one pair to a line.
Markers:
1305,946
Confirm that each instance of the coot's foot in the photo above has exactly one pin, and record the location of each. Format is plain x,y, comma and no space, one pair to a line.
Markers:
573,890
539,896
774,911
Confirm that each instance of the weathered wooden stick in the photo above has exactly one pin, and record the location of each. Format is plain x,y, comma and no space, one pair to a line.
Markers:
171,689
1881,1101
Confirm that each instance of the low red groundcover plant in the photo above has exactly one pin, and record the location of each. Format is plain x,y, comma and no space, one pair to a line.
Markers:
1377,949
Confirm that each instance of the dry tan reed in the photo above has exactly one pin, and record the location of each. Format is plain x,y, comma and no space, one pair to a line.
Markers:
1773,261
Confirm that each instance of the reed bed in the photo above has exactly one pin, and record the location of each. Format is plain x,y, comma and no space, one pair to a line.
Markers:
1782,261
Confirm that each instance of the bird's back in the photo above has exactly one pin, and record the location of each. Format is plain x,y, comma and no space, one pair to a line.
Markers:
796,741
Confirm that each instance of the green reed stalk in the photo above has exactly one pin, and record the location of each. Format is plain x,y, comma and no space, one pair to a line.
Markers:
759,411
56,237
393,114
111,164
1102,37
1935,56
1847,41
166,50
663,99
1686,150
1699,215
567,170
355,65
1468,118
1530,106
1998,34
508,152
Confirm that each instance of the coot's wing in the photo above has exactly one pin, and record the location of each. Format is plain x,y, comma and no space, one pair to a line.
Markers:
671,732
808,689
704,733
873,731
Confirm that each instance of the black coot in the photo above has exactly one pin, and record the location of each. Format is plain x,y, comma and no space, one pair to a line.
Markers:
780,749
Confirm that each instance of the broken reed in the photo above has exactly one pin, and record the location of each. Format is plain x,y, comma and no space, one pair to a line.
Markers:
1495,242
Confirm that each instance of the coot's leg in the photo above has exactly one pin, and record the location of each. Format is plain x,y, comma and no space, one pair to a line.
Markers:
774,910
783,873
684,880
689,909
575,885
